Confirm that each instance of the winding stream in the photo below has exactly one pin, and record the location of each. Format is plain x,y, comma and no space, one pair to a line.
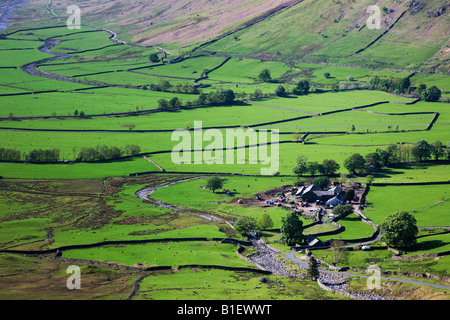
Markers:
146,192
6,12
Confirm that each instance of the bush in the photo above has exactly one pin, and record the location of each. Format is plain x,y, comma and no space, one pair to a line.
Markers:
432,94
302,88
342,211
322,182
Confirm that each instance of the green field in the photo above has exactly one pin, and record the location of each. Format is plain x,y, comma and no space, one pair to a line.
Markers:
79,90
428,204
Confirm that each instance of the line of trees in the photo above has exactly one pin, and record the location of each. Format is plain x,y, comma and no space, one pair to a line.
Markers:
215,98
397,153
100,153
54,155
11,155
303,167
34,156
291,231
391,85
167,86
400,86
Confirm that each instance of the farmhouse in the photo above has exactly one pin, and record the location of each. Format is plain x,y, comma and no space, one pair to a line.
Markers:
314,193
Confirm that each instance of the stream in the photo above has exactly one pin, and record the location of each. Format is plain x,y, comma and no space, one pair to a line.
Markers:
6,12
146,192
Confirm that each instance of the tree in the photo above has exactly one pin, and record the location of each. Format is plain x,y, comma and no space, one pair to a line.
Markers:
265,76
313,167
388,156
399,230
437,149
10,155
340,253
373,162
326,75
113,152
421,88
175,103
297,135
433,94
355,163
301,166
215,183
43,156
257,94
302,88
404,84
226,96
154,57
291,229
280,91
163,104
130,126
341,211
313,272
350,78
349,195
423,151
329,167
131,149
447,150
415,153
322,182
245,225
164,85
265,221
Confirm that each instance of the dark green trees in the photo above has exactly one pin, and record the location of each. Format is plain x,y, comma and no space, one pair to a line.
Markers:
215,183
399,230
432,94
265,76
322,182
313,272
246,225
302,88
154,57
280,91
291,230
265,221
342,211
355,163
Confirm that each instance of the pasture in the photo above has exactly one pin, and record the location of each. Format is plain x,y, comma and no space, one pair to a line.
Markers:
72,202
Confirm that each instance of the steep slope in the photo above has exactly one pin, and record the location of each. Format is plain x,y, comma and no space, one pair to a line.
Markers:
412,32
154,22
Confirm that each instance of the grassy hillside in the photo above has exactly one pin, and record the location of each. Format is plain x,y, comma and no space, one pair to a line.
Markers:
338,28
156,22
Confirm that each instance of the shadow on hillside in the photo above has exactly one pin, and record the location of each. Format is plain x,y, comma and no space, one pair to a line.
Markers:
388,173
430,245
398,168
